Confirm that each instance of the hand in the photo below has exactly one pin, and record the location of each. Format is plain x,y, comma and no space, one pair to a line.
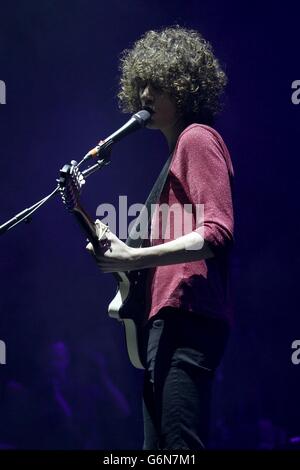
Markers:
111,254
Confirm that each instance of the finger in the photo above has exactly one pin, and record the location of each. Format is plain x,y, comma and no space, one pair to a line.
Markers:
102,230
90,247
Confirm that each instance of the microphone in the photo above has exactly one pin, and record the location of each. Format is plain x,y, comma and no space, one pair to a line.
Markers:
138,120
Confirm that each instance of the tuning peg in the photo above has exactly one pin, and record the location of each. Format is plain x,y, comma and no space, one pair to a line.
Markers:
81,180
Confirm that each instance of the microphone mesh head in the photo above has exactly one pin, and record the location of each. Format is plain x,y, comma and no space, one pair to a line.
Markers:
143,116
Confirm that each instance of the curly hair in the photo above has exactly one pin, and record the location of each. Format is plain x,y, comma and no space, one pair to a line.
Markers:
178,61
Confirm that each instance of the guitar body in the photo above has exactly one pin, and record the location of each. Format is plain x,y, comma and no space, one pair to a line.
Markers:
128,305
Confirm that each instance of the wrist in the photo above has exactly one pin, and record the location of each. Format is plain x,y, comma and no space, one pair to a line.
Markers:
136,257
142,257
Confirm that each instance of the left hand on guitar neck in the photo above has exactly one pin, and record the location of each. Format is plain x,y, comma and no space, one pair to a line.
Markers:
111,254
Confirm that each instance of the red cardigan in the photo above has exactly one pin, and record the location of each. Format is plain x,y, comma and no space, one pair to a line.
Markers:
200,173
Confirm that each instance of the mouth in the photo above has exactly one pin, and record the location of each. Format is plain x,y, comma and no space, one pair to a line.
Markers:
149,109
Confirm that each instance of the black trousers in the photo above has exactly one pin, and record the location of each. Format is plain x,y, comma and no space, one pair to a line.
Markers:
184,350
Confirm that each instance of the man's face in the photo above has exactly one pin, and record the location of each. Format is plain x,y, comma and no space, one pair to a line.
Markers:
164,109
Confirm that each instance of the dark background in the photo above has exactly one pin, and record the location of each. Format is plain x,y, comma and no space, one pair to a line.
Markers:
59,61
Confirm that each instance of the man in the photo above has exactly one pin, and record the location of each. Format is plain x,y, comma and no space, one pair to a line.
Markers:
174,72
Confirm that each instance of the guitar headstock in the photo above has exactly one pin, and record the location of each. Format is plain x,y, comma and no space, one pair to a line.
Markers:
70,183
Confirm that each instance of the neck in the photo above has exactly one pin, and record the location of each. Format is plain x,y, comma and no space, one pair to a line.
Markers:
172,132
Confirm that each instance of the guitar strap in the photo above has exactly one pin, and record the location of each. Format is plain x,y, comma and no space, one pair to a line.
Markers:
141,226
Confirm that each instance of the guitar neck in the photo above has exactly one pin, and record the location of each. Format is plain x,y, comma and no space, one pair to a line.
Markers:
86,224
89,229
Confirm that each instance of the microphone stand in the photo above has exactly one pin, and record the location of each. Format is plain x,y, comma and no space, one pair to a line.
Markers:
25,215
137,120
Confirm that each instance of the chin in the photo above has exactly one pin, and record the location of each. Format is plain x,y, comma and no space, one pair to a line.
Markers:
152,125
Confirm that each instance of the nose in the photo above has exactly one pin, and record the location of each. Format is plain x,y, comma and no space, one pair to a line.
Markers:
146,95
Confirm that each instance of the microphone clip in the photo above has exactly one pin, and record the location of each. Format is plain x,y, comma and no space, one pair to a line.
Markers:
102,150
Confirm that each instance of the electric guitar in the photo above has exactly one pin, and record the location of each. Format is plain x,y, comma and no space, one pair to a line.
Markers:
128,305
